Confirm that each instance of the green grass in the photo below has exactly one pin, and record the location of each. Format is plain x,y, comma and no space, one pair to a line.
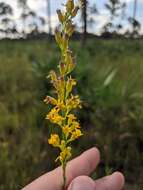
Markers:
110,83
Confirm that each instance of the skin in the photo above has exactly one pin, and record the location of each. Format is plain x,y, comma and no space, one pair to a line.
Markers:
77,174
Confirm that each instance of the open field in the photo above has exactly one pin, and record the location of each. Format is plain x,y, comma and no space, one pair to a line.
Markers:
110,83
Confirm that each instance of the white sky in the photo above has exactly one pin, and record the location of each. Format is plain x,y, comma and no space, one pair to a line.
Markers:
39,6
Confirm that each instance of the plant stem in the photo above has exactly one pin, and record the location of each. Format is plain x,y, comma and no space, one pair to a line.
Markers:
64,176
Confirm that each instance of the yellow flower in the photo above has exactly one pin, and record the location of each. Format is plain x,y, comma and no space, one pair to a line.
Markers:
54,140
53,76
71,118
66,130
75,125
69,86
65,154
63,145
50,100
54,116
58,103
76,134
73,102
61,105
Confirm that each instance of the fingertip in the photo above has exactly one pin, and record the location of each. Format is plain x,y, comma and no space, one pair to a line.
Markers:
97,152
118,175
114,181
82,183
92,159
94,152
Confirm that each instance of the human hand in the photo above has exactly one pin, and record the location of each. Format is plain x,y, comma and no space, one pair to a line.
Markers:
77,173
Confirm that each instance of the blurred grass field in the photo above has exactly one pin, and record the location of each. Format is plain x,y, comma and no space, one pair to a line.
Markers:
110,83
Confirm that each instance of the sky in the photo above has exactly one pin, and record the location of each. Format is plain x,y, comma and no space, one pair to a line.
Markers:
39,6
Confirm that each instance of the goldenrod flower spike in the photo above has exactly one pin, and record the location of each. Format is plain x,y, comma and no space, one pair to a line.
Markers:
64,102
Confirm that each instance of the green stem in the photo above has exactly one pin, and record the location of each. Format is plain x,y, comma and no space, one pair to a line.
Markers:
65,113
64,176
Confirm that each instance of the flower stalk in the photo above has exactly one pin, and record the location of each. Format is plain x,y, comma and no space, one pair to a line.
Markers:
64,102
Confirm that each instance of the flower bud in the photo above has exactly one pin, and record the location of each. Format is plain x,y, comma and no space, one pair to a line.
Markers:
70,5
62,81
61,87
58,36
61,16
50,100
52,75
62,68
65,40
75,11
69,86
70,30
70,61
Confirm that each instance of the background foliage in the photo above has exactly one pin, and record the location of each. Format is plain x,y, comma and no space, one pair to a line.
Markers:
110,84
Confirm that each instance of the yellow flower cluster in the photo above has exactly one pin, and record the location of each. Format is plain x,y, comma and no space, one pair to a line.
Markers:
65,102
61,115
54,140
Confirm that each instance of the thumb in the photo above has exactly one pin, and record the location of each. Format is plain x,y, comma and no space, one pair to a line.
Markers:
82,183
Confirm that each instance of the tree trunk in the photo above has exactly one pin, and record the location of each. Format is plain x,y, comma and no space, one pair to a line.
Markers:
49,16
134,15
135,9
23,5
84,18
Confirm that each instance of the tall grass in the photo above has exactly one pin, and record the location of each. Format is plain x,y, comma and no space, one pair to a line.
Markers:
110,79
